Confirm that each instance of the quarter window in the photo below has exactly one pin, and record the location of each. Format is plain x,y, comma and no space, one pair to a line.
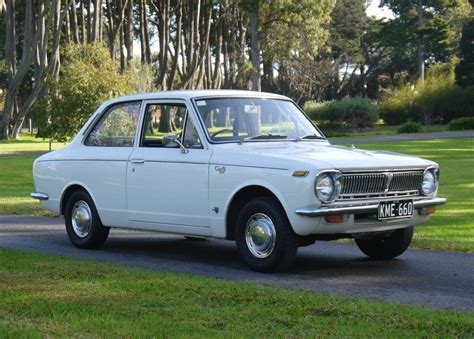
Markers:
117,128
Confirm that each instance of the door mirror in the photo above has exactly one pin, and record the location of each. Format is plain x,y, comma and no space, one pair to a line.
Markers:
172,140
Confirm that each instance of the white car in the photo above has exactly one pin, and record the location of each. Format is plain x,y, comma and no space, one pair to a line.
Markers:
237,165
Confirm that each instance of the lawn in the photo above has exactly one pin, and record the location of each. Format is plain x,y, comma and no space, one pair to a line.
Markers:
48,296
451,228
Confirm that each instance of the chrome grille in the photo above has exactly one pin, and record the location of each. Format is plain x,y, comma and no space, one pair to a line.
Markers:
381,184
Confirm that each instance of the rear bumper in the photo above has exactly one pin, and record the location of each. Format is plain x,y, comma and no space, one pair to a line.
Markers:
39,196
363,207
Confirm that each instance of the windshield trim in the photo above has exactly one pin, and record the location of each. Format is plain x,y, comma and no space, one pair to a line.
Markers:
263,97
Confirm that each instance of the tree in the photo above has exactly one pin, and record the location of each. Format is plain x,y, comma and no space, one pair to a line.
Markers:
429,29
88,77
465,68
40,51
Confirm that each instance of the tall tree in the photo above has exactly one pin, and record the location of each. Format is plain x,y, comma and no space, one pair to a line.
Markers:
465,68
40,51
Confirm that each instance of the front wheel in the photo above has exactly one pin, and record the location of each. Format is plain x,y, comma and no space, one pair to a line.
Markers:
386,246
83,225
264,236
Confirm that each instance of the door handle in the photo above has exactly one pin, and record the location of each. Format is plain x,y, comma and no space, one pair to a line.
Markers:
138,161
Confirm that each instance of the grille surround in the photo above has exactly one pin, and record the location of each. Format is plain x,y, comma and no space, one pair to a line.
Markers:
363,185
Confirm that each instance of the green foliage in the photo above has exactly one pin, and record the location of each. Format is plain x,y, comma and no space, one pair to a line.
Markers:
348,113
438,99
410,127
88,78
461,124
465,68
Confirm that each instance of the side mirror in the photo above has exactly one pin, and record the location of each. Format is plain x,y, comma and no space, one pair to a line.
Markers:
172,140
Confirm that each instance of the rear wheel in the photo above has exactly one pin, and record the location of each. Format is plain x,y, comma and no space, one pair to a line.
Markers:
386,246
83,225
264,236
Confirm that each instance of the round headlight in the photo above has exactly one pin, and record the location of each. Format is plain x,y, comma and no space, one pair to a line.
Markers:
327,187
429,185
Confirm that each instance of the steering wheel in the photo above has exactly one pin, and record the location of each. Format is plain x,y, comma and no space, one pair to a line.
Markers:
213,135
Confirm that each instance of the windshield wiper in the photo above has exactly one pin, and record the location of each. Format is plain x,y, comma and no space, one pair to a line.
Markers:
311,136
267,136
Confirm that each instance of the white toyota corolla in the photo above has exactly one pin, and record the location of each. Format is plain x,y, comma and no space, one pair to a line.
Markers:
237,165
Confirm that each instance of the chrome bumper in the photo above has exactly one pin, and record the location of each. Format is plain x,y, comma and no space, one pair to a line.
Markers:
363,207
39,196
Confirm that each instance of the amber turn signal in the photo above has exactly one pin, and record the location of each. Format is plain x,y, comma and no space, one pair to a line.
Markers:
428,210
336,218
300,173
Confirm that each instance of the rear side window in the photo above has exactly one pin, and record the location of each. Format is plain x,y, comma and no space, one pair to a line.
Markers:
117,127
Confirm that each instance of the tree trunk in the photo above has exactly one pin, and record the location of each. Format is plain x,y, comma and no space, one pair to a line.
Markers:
421,42
74,22
255,48
15,76
129,31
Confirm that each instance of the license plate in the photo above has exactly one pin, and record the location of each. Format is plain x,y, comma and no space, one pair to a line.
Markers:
395,209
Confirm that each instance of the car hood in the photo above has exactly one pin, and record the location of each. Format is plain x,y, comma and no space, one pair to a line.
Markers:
320,155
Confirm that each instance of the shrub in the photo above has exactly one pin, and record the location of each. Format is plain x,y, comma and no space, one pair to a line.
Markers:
348,113
410,127
87,78
437,100
461,124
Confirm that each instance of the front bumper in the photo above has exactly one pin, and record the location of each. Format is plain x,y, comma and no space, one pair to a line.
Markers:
361,207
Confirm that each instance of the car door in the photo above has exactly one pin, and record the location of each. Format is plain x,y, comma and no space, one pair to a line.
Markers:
101,164
167,187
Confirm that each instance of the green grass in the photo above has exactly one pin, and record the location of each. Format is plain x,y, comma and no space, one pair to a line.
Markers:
27,144
47,296
452,226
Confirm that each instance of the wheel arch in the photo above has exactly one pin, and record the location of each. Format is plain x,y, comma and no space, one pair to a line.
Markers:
69,190
239,199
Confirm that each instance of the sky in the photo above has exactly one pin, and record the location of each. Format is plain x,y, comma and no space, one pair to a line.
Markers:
379,13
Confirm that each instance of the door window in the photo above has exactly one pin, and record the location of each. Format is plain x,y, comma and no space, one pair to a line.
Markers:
162,119
117,128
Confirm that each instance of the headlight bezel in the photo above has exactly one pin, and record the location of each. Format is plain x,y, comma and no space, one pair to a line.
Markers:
334,176
434,172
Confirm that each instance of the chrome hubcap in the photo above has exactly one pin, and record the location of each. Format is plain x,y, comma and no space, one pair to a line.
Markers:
81,218
260,235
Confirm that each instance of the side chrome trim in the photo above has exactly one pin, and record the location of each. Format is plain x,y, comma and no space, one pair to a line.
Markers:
39,196
360,207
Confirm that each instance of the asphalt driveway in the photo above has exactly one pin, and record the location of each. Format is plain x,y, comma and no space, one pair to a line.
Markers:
434,279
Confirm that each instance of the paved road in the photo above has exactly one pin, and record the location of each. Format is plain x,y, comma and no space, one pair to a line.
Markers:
434,279
404,137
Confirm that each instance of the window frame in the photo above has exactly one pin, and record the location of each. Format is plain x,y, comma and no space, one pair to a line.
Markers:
178,102
212,142
102,115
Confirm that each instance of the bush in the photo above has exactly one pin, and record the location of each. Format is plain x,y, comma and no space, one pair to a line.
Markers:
410,127
87,78
348,113
461,124
437,100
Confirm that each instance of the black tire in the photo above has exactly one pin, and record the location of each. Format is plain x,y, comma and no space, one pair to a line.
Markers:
97,233
386,246
286,241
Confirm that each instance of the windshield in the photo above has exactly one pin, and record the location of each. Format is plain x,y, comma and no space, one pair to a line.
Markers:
249,119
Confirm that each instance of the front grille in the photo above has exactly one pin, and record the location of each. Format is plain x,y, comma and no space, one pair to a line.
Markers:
381,184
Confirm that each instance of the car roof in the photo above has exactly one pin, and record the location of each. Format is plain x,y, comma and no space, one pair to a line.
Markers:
194,94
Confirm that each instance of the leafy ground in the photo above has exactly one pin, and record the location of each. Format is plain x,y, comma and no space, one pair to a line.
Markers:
43,296
451,228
